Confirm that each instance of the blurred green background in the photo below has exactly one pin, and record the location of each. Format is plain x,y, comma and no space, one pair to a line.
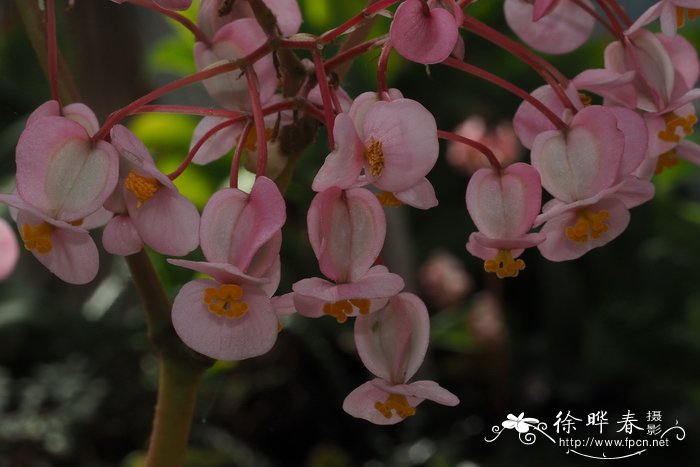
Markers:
616,330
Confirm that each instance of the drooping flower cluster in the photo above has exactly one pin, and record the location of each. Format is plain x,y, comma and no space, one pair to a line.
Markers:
594,158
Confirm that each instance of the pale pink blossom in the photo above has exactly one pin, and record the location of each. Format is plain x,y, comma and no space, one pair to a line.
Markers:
500,139
231,315
671,15
392,343
211,17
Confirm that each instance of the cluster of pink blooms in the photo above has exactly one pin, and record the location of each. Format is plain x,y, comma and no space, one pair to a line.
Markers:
594,160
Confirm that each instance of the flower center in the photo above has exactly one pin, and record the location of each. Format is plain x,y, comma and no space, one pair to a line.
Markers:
375,157
504,265
38,237
673,122
142,187
387,198
396,403
589,225
251,140
224,301
340,310
680,15
666,161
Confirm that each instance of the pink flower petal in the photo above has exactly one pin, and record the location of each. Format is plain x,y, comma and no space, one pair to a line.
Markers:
421,195
222,338
360,404
218,144
563,29
60,173
392,342
120,237
9,250
420,37
343,165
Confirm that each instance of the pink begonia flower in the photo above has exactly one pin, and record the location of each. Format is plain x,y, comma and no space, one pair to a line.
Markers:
394,150
231,315
392,343
553,27
169,4
444,279
78,112
346,232
503,207
501,140
671,14
424,33
9,250
588,171
64,249
158,215
233,42
212,17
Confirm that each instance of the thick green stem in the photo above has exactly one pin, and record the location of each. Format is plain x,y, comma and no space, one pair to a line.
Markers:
180,369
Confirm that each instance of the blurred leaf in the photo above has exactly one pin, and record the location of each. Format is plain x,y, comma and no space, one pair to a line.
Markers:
449,331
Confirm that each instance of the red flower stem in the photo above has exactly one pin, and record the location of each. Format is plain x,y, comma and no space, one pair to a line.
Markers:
198,34
188,110
508,86
333,34
258,119
200,142
52,50
382,65
236,162
621,13
326,98
549,73
133,107
355,51
482,148
297,43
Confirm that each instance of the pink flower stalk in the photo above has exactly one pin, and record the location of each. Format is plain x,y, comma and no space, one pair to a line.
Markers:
588,171
231,315
671,15
501,140
550,26
503,207
9,250
425,33
392,343
230,43
391,145
151,209
213,17
346,231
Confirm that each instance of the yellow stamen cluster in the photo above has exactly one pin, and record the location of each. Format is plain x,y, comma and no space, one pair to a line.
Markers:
680,15
38,237
586,99
589,225
142,187
224,301
673,122
375,157
396,403
342,309
504,265
387,198
666,161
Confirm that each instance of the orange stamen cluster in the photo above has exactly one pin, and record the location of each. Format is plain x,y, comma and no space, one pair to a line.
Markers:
251,140
586,99
666,161
387,198
340,310
375,157
589,225
673,122
396,403
224,301
680,15
142,187
38,237
504,265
